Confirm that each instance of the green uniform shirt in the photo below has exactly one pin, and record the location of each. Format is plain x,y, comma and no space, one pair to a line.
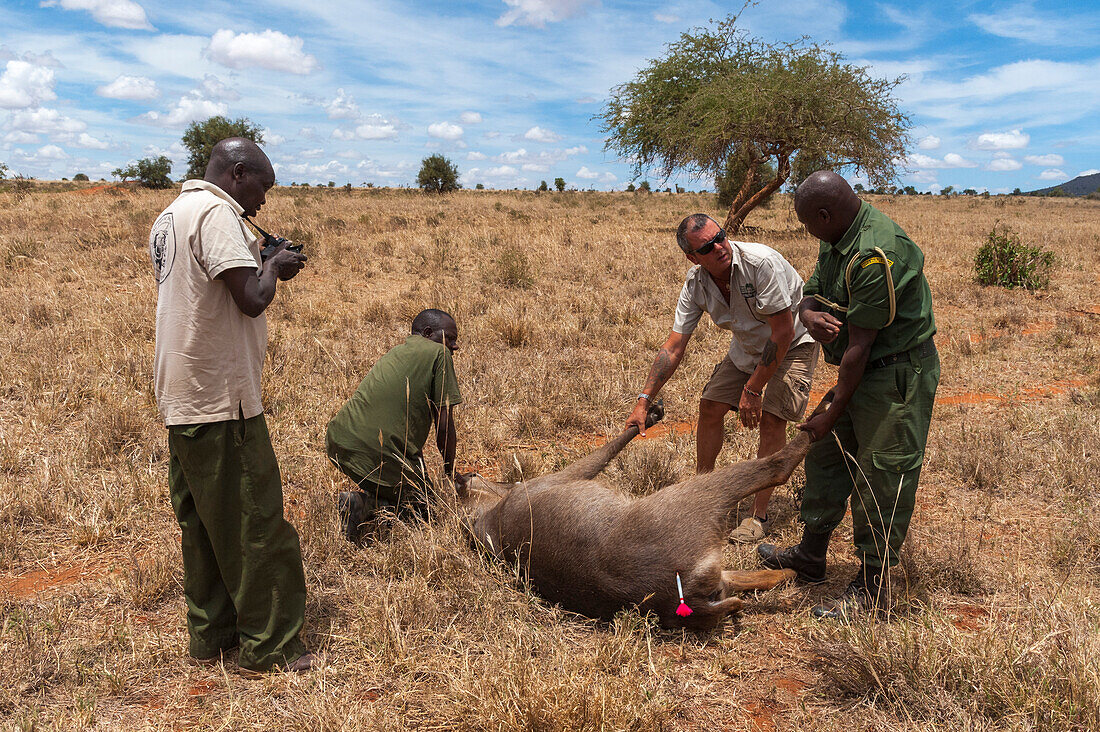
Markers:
380,432
869,303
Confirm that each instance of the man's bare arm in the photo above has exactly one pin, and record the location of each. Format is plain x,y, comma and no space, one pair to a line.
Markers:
446,439
253,291
751,406
664,366
852,365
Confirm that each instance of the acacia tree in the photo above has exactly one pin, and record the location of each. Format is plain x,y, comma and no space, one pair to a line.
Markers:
148,172
200,137
437,175
720,93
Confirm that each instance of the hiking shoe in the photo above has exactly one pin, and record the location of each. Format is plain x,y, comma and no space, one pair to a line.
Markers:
299,665
806,558
750,531
352,509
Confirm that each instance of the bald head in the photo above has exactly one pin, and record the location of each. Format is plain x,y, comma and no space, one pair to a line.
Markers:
826,205
232,151
240,168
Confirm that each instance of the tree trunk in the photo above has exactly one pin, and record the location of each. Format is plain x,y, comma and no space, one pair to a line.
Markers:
740,209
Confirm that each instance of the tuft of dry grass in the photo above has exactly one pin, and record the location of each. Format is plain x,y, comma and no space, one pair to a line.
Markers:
998,610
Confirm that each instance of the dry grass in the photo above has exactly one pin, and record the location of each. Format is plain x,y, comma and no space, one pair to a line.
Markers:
561,301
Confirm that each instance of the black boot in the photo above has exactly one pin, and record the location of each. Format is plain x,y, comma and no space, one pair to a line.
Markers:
807,558
869,591
350,506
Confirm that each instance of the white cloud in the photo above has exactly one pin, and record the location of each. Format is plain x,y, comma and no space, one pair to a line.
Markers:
1011,140
312,153
376,127
24,84
475,156
535,167
1045,160
950,160
666,18
214,88
587,174
500,171
18,137
578,150
931,142
113,13
51,152
343,106
134,88
538,134
1004,164
189,108
267,50
45,121
470,118
1090,171
445,131
272,139
1021,22
540,12
1052,174
87,141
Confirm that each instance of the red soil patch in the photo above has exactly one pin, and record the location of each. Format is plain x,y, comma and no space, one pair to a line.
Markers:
1037,392
761,717
968,617
104,187
29,584
203,688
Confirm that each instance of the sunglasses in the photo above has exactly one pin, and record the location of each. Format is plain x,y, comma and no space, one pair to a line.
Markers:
709,246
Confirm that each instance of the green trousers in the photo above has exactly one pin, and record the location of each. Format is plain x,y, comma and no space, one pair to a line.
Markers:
407,498
882,436
242,562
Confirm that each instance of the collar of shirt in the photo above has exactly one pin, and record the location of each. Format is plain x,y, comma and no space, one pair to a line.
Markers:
202,185
849,239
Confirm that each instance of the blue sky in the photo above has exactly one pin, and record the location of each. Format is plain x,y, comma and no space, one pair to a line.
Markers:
1000,94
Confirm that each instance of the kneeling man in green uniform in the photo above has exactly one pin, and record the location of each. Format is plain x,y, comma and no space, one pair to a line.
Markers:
377,437
869,305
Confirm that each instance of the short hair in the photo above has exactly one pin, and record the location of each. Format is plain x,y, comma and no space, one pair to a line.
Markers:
232,150
432,319
689,225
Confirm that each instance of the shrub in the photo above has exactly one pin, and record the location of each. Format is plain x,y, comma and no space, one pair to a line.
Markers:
513,269
1006,261
148,172
437,175
82,177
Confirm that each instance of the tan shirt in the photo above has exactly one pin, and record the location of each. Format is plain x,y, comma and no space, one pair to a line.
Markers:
209,355
762,283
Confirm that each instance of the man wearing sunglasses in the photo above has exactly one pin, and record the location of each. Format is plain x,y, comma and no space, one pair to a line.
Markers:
752,291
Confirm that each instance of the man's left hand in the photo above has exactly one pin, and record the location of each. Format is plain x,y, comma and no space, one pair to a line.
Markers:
750,409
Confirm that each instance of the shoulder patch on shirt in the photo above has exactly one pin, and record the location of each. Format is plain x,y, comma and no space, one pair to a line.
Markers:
748,290
162,246
875,260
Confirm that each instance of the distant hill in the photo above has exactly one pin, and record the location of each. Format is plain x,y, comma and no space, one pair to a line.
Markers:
1082,185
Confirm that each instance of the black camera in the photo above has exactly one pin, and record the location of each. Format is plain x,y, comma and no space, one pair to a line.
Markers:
271,242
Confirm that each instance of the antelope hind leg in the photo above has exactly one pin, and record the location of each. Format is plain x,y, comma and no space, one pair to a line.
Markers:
763,579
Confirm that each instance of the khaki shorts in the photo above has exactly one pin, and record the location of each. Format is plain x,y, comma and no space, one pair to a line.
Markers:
785,396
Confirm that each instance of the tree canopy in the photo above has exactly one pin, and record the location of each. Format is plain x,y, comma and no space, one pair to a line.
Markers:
437,175
148,172
719,93
200,137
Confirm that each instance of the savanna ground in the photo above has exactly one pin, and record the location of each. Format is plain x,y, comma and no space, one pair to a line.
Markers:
561,301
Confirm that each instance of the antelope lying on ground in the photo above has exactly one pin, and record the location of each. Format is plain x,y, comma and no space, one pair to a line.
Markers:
595,551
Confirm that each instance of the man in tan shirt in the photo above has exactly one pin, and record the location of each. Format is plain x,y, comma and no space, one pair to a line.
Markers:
752,291
242,561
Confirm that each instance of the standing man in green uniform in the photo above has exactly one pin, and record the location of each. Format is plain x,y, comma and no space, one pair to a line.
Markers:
870,306
377,437
242,562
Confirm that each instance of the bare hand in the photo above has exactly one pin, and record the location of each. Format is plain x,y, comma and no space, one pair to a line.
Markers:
823,327
818,426
286,263
750,409
637,417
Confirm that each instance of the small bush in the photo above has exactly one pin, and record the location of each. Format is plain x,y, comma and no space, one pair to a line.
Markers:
513,269
1006,261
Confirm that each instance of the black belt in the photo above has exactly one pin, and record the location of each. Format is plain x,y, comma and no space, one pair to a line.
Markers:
922,351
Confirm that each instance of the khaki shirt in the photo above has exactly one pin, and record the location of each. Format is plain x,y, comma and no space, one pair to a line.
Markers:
762,283
868,300
209,355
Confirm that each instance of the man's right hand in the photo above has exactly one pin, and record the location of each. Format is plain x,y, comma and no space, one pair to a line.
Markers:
286,263
637,417
823,327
